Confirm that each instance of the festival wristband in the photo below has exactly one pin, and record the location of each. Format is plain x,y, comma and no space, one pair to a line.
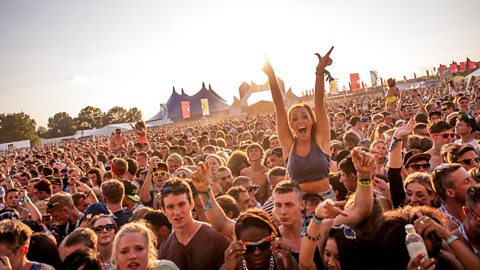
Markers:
365,182
24,199
316,219
208,205
451,239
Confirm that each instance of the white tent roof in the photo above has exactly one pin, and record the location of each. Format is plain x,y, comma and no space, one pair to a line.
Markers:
476,73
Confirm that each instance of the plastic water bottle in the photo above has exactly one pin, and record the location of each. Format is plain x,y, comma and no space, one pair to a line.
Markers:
414,243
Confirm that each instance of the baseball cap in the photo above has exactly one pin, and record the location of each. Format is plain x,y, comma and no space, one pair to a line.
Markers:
131,191
414,155
56,181
162,165
97,208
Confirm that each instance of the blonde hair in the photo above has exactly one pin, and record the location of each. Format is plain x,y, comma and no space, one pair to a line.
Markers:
150,240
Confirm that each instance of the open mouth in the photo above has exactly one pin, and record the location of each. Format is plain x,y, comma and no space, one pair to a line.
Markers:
302,130
133,265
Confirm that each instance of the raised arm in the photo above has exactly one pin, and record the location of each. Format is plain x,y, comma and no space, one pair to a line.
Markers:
363,204
285,135
322,132
213,211
395,163
326,209
144,192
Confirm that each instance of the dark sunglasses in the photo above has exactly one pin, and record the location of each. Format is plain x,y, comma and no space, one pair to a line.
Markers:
169,189
157,173
447,135
348,232
253,189
444,109
183,175
469,161
101,228
263,244
52,205
417,167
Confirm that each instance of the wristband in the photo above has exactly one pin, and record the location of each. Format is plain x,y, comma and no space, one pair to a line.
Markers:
365,182
24,199
451,239
316,219
208,205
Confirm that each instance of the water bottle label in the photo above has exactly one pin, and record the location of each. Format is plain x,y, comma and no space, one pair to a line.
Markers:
414,249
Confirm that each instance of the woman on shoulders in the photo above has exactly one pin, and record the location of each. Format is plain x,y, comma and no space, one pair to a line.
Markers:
305,135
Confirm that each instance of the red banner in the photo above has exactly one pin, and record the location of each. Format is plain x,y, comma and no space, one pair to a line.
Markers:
186,109
463,66
355,82
453,68
472,65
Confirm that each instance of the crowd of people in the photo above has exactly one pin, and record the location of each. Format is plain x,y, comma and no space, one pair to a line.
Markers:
328,186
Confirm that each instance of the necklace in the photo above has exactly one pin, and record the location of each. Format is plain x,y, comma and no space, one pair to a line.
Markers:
269,268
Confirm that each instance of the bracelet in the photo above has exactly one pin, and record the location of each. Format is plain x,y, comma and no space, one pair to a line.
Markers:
316,219
207,192
451,239
392,145
309,237
365,182
395,139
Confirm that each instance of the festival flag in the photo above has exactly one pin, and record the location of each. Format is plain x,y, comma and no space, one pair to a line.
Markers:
186,109
354,82
376,81
205,108
453,68
472,65
463,66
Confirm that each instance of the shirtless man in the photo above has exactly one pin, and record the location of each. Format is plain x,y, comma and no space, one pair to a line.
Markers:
118,141
257,172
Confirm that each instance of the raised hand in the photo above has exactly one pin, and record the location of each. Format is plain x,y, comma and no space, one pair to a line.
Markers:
364,163
267,68
329,209
232,253
201,177
324,61
404,130
281,251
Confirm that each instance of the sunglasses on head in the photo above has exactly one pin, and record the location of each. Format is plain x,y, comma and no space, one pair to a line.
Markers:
169,189
253,189
348,232
101,228
183,175
162,173
420,166
469,161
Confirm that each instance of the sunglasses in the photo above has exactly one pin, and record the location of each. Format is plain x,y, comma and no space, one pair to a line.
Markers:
348,232
444,109
438,170
417,167
157,173
101,228
262,244
253,189
469,161
183,175
169,189
52,205
447,135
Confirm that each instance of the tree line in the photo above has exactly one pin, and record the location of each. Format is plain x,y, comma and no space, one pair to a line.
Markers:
20,126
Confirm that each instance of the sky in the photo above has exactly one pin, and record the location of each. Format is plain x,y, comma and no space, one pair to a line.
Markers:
61,56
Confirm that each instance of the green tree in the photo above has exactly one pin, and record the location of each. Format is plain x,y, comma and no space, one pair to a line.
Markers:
134,115
61,124
18,127
115,115
88,118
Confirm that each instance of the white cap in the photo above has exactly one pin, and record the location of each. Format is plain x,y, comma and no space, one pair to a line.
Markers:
409,228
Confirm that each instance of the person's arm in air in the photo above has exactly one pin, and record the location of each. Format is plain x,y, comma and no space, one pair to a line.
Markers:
215,214
144,192
285,135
